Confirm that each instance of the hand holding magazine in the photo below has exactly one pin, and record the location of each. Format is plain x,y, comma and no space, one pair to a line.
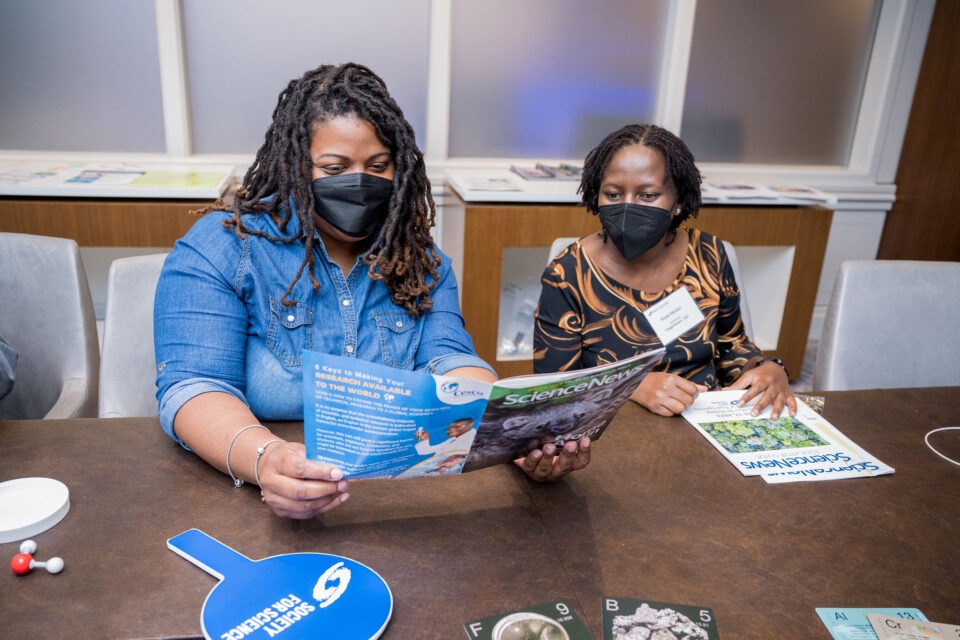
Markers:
374,421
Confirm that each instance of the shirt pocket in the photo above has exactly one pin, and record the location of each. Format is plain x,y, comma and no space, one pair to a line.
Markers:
399,339
290,332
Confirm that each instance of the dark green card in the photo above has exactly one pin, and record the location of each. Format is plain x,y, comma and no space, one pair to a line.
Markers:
621,616
547,621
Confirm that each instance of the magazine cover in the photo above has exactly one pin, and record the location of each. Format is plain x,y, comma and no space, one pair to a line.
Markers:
709,194
528,412
801,192
562,171
374,421
735,189
477,183
534,173
758,445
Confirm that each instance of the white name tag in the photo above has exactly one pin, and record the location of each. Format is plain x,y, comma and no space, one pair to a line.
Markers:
674,315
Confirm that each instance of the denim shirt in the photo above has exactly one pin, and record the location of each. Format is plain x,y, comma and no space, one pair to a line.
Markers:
219,324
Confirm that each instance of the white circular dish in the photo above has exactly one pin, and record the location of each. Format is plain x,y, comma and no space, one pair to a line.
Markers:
29,506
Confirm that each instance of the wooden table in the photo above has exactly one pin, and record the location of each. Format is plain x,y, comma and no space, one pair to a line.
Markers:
658,514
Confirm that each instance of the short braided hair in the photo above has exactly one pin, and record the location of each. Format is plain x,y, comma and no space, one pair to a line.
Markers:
402,253
679,167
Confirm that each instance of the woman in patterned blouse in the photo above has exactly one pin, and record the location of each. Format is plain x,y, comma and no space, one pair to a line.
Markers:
643,183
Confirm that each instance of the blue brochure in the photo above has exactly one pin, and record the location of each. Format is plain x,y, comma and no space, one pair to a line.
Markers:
376,421
847,623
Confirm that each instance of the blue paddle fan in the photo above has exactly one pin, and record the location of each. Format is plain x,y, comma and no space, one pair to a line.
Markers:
296,595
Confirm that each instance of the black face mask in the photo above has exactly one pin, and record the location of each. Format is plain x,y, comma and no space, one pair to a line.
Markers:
354,203
634,228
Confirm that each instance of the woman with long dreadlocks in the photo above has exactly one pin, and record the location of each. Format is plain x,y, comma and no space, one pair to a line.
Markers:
598,294
327,247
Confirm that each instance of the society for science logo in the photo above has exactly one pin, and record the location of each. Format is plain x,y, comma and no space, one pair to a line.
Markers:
326,593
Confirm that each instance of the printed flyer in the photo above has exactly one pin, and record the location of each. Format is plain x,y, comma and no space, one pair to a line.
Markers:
112,179
374,421
789,449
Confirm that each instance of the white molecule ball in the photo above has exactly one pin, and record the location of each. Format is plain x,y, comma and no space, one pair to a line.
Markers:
55,565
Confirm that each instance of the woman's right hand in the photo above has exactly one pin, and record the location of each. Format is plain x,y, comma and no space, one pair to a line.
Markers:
666,394
295,487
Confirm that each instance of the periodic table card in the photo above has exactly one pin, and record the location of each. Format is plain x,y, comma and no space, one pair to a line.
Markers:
628,618
890,628
547,621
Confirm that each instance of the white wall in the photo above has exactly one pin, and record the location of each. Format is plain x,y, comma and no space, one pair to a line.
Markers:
865,185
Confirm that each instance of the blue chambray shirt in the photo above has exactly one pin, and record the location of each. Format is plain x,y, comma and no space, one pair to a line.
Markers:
219,324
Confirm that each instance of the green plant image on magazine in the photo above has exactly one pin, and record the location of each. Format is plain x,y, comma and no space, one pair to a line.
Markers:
763,434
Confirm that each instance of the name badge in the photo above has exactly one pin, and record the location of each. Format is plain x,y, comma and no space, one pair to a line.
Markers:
674,315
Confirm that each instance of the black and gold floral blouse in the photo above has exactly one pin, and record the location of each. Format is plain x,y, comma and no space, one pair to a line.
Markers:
586,318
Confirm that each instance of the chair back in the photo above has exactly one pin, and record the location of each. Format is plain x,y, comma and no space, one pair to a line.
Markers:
46,315
744,307
559,245
891,324
128,373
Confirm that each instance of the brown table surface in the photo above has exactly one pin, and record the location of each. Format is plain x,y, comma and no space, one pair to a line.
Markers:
658,514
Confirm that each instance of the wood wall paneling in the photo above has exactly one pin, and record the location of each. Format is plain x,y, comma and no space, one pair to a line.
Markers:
924,223
488,229
101,223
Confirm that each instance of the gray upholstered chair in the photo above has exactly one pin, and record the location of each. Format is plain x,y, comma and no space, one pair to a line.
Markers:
891,324
46,315
559,245
562,243
128,373
744,307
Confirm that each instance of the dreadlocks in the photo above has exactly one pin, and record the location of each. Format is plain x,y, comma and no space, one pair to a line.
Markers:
402,253
679,168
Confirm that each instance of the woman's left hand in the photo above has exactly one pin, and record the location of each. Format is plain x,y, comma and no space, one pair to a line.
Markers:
547,465
769,382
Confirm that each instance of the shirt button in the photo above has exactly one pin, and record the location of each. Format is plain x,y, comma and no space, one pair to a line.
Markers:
399,323
290,318
349,348
346,303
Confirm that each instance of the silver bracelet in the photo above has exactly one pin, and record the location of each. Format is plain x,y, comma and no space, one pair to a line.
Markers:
237,482
256,463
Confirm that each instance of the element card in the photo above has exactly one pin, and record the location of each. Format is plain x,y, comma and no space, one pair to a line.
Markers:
628,618
548,621
848,623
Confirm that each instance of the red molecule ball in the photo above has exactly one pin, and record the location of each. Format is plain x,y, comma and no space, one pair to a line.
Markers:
21,563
